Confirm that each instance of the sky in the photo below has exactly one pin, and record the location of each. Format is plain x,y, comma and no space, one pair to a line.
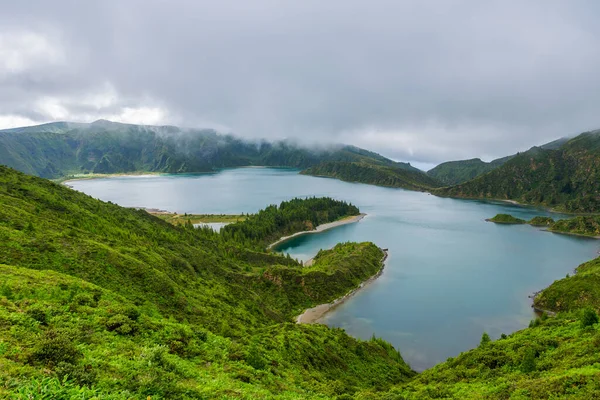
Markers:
419,81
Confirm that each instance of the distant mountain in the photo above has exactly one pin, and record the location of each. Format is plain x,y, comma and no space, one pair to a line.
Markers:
563,174
63,148
456,172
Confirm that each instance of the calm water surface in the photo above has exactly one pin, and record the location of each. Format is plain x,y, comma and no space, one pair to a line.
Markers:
450,275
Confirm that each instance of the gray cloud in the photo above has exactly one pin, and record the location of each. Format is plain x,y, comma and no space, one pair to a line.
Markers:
421,81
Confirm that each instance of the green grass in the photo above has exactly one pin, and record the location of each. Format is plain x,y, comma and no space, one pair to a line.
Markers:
130,306
182,219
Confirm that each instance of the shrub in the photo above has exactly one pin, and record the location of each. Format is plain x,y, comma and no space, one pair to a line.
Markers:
254,357
56,347
528,362
120,324
588,317
83,299
38,312
83,375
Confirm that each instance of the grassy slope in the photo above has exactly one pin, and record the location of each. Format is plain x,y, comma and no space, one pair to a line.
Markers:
152,308
567,178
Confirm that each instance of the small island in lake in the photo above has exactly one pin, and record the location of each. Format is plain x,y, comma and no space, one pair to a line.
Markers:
588,225
506,219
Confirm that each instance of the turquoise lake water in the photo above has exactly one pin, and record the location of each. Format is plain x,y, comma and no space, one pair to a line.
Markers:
450,275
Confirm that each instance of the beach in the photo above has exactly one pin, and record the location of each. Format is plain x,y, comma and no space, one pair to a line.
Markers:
320,228
313,315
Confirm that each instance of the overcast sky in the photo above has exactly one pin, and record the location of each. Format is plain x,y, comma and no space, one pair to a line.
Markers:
419,81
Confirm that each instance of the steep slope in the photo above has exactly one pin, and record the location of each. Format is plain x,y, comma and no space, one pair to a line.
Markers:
567,178
456,172
130,306
59,149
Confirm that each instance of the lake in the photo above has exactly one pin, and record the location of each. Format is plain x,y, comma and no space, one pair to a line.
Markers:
449,277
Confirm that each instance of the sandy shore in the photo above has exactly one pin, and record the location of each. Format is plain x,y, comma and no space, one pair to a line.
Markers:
321,228
313,315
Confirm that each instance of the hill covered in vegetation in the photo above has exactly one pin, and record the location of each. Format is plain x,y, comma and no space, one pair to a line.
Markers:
393,175
566,178
97,299
61,149
455,172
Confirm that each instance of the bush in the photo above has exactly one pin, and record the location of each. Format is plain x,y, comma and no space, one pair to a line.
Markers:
528,362
56,347
38,312
83,299
120,324
588,317
83,375
254,357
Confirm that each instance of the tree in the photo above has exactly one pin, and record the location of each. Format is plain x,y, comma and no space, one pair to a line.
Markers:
485,339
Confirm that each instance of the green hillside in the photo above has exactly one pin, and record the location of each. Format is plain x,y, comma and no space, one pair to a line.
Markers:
103,147
115,301
566,178
99,301
456,172
402,176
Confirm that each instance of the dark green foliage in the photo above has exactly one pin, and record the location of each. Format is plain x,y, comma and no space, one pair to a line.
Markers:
392,175
38,313
541,221
485,339
506,219
296,215
582,225
56,346
528,363
588,317
455,172
566,177
573,292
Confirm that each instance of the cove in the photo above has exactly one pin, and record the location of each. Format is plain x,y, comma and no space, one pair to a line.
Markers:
449,277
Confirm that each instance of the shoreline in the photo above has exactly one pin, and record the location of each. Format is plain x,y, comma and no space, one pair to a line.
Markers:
314,314
572,234
320,228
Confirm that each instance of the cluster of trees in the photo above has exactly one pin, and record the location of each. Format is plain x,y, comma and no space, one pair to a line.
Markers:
296,215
